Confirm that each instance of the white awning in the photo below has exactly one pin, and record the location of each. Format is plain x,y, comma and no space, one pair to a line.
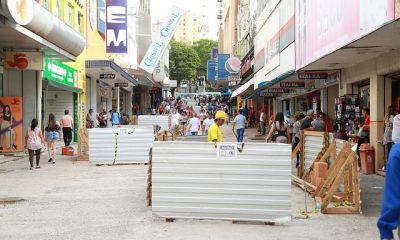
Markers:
243,88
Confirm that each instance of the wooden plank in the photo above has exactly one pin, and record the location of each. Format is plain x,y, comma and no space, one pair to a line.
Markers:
342,170
356,183
301,182
296,150
342,210
314,133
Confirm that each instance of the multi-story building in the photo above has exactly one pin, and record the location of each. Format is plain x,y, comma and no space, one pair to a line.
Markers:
188,30
106,72
35,38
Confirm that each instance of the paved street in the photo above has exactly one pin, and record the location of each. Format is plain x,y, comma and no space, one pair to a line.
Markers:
75,200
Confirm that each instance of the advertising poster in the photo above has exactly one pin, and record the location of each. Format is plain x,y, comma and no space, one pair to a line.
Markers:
11,135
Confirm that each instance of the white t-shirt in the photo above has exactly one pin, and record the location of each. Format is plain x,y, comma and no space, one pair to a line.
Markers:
194,124
175,119
396,129
262,117
207,123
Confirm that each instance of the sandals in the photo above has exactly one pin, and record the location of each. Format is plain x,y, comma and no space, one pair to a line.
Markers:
37,166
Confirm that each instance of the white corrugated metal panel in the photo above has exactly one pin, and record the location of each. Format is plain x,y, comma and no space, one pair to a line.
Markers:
132,145
313,145
57,102
151,120
190,181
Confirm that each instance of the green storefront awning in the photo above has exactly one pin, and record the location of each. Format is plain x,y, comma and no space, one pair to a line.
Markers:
61,76
63,86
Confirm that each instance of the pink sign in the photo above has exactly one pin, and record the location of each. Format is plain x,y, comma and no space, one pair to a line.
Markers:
325,26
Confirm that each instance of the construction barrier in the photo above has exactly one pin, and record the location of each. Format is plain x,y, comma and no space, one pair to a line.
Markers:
120,145
329,171
152,120
226,181
83,145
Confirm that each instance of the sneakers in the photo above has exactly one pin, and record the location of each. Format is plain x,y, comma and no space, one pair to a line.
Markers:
50,160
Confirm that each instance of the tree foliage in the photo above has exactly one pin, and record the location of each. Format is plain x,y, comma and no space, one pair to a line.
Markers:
183,63
203,48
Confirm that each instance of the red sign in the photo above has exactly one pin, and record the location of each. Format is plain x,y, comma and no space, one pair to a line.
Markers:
292,84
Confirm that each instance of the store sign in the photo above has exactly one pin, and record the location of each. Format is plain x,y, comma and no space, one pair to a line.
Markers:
267,94
107,76
157,48
333,78
246,67
116,26
24,60
322,27
21,11
292,84
278,90
59,72
313,75
121,84
173,84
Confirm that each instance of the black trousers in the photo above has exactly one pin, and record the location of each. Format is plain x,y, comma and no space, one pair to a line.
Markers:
67,133
33,153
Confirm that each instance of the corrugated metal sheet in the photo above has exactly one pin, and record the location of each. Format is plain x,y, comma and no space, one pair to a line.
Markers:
151,120
189,181
132,145
313,145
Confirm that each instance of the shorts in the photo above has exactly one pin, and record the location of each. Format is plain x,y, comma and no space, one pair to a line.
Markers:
53,135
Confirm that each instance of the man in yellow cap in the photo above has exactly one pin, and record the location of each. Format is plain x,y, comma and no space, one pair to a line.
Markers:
214,132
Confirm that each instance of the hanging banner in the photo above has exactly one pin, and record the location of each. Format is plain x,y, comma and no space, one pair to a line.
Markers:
11,124
161,41
116,26
292,84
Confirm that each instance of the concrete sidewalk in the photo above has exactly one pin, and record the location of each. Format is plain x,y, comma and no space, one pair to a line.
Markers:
76,200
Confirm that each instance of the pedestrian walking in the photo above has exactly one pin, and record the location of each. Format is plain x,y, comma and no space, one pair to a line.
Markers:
67,124
214,132
33,142
390,212
396,129
114,117
194,125
207,123
296,134
52,135
240,123
262,122
90,119
279,132
124,119
387,135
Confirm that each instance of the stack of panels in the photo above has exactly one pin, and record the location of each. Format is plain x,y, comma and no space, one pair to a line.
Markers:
151,120
190,181
131,145
312,146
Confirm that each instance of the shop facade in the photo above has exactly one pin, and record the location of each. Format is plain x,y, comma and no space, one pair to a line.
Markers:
25,44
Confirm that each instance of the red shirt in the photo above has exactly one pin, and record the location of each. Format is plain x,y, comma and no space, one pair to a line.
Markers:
367,121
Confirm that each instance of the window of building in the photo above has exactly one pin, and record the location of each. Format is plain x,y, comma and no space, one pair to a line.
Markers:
101,16
70,17
44,3
57,9
80,23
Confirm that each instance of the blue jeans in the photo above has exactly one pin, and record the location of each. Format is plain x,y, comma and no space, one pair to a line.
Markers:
240,134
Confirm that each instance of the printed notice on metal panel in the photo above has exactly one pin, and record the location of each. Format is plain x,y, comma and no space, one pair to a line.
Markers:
227,151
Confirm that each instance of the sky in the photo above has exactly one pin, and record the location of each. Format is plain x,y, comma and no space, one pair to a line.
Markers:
160,8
